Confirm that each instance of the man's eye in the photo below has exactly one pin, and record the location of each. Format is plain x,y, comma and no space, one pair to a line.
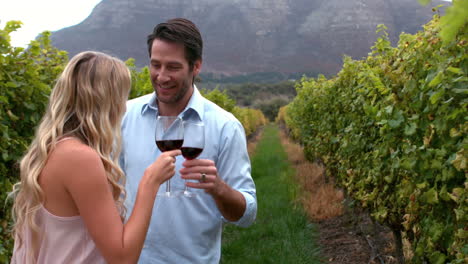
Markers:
173,68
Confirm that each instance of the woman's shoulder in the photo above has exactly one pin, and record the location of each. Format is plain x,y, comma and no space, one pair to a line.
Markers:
73,154
71,165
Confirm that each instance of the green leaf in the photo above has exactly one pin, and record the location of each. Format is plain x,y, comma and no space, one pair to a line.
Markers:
410,129
437,258
29,106
389,109
11,84
460,91
398,119
408,164
444,194
455,70
430,196
460,161
12,25
455,133
394,123
460,214
422,185
12,116
435,97
435,164
388,179
437,80
456,194
381,214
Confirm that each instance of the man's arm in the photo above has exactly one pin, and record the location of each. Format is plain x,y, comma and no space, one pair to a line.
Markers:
231,203
229,181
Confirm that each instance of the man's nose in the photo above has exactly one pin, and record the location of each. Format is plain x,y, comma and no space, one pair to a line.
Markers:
163,77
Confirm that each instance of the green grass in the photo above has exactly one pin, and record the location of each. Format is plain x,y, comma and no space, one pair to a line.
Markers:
281,233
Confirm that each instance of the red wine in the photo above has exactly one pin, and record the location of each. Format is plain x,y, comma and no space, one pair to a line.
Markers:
167,145
191,153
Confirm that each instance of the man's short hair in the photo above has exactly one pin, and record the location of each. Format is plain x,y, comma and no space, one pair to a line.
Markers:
183,31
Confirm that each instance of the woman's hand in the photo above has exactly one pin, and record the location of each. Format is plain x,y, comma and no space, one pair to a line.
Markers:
163,168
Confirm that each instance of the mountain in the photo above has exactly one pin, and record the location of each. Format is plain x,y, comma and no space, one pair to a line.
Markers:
248,36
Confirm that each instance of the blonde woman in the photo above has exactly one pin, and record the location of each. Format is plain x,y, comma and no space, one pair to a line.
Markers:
69,204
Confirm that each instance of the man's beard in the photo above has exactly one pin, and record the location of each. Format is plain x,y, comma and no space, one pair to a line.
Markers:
177,97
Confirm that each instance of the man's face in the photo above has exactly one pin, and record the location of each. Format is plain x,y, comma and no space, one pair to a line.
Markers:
170,73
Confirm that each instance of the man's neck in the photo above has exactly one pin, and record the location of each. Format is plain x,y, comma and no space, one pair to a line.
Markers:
176,108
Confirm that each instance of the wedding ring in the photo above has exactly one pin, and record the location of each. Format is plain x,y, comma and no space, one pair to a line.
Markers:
203,177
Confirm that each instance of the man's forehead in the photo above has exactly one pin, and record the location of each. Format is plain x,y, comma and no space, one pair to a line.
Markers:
159,44
167,50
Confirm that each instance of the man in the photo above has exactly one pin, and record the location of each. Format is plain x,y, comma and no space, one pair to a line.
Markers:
187,229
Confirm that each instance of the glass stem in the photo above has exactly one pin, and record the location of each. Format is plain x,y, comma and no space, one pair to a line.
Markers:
168,186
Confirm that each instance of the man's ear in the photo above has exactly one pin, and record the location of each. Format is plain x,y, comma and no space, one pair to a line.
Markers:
197,67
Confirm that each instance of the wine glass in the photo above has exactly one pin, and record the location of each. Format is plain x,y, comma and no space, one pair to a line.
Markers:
194,142
169,135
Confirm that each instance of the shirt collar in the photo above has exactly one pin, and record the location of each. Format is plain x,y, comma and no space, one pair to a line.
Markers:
195,104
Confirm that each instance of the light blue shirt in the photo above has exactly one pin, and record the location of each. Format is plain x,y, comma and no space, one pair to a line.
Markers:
186,229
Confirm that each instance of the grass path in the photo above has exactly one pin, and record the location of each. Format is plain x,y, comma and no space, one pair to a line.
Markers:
281,233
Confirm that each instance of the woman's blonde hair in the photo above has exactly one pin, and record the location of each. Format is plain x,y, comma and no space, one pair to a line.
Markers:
87,102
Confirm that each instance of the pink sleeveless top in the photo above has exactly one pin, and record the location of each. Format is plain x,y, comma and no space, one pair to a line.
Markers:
62,240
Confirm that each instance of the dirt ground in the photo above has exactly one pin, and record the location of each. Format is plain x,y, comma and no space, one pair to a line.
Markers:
346,233
352,238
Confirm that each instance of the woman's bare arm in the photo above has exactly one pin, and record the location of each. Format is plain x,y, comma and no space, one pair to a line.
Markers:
82,173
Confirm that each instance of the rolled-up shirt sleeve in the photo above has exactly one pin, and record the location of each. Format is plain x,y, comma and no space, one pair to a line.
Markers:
234,168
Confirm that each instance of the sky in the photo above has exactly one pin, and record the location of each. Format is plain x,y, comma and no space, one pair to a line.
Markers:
40,15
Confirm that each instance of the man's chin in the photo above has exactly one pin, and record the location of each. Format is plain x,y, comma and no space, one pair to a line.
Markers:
167,99
164,100
164,96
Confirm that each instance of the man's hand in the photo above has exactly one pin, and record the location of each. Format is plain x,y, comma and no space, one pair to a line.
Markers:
205,172
230,202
